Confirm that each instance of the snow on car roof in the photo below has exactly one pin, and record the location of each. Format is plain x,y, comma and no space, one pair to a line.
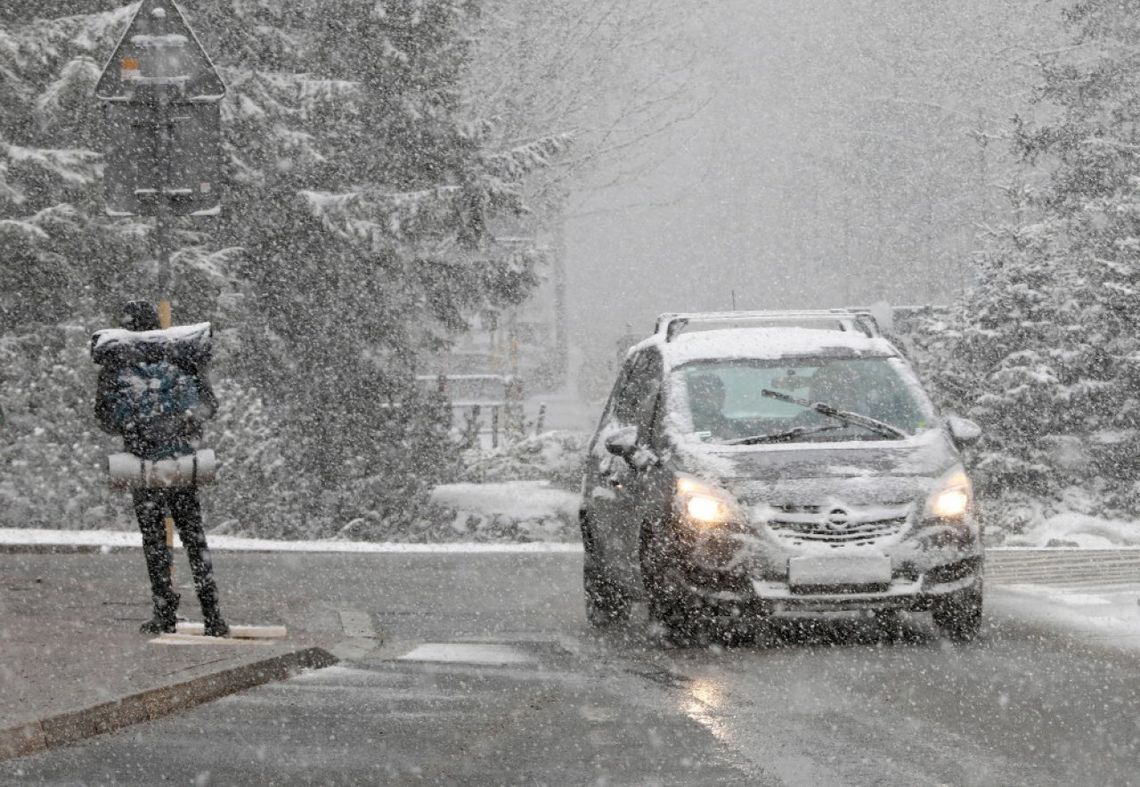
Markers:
769,343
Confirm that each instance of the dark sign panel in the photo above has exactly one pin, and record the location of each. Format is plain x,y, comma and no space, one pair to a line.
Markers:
161,97
137,175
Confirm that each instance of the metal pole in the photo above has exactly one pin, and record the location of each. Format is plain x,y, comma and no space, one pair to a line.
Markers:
162,217
561,340
162,239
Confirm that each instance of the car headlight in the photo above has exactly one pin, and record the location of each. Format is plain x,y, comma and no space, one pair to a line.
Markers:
705,505
952,498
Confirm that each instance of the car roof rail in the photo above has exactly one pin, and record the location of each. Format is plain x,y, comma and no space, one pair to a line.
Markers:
669,325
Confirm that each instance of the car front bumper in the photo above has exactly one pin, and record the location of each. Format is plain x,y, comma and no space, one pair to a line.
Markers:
905,591
917,594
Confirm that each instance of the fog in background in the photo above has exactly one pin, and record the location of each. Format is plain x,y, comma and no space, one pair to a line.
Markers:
846,153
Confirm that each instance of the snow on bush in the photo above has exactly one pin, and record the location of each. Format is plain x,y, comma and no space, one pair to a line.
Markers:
551,456
520,511
525,490
51,452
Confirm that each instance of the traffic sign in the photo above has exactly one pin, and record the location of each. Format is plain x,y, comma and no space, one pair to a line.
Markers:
189,173
161,103
159,49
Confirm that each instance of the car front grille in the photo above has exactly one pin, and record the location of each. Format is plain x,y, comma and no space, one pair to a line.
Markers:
815,524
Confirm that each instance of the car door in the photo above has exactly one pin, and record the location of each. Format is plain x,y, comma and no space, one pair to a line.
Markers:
605,473
631,482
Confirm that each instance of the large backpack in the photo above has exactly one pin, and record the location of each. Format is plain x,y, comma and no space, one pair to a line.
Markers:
151,400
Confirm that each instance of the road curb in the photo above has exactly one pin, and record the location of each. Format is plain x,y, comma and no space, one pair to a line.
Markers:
60,549
65,728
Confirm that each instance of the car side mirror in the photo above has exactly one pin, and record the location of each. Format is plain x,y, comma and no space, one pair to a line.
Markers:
962,430
623,444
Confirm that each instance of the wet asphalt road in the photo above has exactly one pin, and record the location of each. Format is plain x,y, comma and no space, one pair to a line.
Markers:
543,699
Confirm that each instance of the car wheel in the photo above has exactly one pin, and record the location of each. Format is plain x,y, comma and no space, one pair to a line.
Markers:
606,603
888,624
686,621
959,616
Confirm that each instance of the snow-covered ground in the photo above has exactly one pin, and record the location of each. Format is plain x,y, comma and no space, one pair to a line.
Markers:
1105,615
111,539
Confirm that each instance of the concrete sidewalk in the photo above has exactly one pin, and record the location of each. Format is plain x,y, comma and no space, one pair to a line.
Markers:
74,664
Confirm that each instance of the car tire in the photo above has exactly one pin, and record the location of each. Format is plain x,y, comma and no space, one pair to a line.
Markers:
685,620
606,603
888,624
959,616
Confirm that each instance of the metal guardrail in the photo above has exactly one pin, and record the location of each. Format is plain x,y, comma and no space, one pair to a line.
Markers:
1063,567
479,402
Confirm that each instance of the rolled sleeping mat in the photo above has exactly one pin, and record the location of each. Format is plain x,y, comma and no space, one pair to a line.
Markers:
128,471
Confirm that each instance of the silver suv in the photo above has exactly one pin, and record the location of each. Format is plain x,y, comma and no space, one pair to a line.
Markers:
777,463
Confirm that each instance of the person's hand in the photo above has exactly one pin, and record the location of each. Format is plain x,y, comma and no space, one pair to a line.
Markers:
192,424
202,412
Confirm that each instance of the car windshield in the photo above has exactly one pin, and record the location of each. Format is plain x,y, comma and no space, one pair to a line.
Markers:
723,400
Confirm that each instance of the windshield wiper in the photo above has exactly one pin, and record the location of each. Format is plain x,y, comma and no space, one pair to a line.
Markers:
780,437
855,419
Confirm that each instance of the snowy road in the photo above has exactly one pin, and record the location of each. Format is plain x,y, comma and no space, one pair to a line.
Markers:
488,674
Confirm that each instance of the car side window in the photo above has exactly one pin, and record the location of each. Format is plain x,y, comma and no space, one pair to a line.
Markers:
625,399
612,404
609,414
647,404
637,400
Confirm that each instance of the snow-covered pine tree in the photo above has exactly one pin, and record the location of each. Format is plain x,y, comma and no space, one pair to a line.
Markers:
61,256
1045,349
354,238
362,197
61,261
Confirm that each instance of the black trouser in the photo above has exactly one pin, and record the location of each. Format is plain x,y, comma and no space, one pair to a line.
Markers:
151,506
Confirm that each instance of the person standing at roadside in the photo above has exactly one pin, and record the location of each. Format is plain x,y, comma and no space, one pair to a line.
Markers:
158,407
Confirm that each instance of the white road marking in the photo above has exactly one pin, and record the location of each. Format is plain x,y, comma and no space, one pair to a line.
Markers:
468,653
198,639
357,623
237,631
362,636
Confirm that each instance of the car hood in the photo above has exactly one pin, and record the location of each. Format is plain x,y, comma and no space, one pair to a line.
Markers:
858,473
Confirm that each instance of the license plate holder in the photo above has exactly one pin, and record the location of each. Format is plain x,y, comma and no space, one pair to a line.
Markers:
848,570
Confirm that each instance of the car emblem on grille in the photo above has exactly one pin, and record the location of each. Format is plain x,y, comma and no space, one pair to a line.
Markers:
837,520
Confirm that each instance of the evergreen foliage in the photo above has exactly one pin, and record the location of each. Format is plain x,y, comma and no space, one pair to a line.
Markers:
354,239
1044,350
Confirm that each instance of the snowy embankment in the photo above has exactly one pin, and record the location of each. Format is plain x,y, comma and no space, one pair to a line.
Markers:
1071,529
522,511
523,491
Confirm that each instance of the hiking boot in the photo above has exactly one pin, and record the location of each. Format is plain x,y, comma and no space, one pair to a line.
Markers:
159,624
216,627
164,620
